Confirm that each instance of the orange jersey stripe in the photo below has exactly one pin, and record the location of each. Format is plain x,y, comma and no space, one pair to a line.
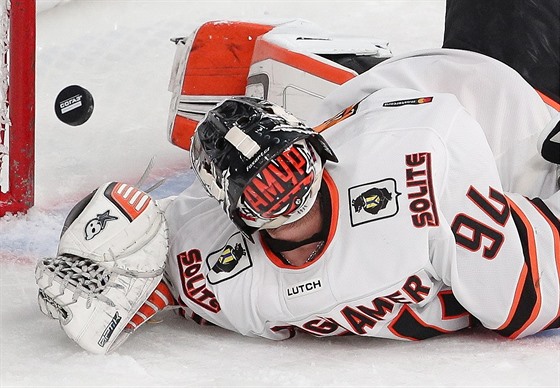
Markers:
528,282
549,101
554,224
348,112
517,297
408,325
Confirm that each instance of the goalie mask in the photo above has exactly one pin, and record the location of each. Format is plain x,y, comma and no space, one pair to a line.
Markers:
260,162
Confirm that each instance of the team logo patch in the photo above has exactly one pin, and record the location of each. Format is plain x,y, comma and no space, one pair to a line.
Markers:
373,201
412,101
229,258
229,261
97,224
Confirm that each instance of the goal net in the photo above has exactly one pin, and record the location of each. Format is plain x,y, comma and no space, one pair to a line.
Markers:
17,105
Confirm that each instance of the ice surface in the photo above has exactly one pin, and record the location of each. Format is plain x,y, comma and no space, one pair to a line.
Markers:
120,51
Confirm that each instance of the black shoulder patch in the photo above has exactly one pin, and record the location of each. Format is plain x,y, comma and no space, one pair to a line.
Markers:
230,260
412,101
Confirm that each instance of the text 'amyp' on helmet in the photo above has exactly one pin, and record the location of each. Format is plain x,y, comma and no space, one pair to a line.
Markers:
241,136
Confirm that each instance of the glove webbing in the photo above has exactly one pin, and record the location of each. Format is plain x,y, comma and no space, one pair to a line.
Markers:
160,298
79,272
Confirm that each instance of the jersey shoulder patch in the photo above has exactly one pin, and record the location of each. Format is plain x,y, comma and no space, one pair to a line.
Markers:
229,261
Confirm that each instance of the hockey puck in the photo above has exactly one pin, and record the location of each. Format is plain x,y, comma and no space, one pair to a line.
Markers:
74,105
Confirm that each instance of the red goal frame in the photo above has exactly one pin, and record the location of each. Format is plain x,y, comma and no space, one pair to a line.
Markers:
19,196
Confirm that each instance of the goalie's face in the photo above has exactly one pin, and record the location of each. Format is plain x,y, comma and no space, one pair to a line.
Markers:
284,190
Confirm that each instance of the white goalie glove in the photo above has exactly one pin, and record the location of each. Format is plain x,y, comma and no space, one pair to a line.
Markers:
110,259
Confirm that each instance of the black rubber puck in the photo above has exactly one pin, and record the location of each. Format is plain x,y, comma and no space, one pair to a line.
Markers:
74,105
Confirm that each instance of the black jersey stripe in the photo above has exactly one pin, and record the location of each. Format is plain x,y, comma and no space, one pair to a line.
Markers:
547,213
409,326
451,308
527,299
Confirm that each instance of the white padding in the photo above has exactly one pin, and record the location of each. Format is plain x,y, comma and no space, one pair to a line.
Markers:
94,286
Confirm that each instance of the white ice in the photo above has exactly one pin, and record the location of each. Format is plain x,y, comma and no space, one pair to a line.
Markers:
120,50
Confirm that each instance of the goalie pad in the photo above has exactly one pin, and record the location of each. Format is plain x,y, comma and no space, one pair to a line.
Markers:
110,259
292,63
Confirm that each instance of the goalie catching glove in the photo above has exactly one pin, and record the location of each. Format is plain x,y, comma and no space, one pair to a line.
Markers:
110,259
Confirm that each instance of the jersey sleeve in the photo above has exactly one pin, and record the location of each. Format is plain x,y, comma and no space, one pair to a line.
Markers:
510,112
506,267
195,217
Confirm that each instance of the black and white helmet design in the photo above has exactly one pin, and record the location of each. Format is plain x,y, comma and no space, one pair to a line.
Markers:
245,143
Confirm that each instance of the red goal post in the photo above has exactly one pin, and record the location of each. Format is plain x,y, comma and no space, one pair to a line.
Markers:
17,105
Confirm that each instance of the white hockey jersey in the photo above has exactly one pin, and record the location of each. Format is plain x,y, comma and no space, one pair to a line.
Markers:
415,175
509,110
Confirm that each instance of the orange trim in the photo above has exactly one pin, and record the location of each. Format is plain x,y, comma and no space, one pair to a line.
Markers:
349,111
219,59
266,50
556,235
182,132
132,200
534,272
216,65
136,321
148,310
552,320
331,186
444,315
549,101
420,321
516,297
164,290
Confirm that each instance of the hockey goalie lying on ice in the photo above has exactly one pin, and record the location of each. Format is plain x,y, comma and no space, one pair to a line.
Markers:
402,209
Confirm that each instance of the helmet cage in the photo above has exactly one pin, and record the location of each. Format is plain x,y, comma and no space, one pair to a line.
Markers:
284,190
237,139
211,178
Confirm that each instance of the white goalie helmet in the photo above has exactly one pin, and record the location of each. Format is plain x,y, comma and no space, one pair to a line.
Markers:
110,259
